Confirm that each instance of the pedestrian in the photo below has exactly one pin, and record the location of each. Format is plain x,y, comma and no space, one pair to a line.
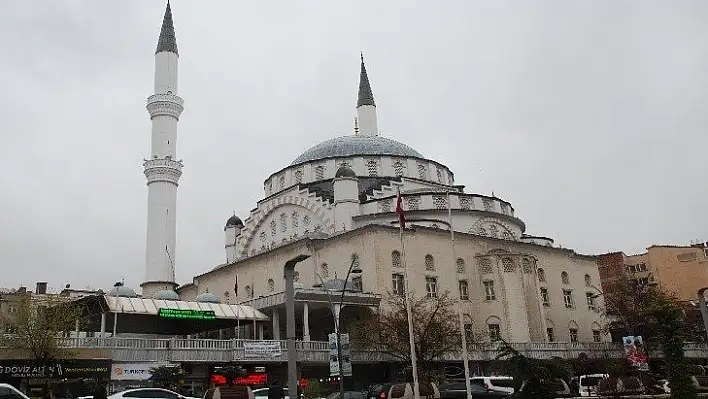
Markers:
100,392
209,394
275,390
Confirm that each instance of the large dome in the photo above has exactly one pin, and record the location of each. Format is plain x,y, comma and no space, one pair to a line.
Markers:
356,145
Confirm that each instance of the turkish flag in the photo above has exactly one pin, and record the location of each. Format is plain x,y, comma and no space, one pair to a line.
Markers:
399,210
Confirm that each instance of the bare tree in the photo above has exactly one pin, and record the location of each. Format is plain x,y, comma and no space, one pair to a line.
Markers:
436,329
36,326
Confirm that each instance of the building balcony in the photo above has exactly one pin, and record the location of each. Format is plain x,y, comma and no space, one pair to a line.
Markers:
215,350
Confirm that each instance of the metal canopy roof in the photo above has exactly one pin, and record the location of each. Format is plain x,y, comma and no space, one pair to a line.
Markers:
142,306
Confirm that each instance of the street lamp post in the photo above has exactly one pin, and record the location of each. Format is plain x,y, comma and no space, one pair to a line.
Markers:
117,286
289,273
337,331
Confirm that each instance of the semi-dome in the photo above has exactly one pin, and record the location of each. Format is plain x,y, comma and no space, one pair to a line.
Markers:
347,146
234,221
166,295
338,285
123,291
207,297
344,171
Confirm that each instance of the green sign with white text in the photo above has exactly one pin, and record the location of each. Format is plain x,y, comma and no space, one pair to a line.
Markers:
186,314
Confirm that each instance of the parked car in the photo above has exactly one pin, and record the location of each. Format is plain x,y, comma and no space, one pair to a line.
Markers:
404,390
7,391
499,383
148,393
262,393
458,390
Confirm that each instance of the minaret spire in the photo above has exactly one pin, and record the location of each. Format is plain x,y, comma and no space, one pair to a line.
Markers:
167,40
162,168
366,96
365,106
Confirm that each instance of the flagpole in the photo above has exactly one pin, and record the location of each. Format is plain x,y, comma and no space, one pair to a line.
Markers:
465,354
409,314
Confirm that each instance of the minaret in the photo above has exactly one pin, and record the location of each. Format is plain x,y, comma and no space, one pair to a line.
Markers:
365,106
162,170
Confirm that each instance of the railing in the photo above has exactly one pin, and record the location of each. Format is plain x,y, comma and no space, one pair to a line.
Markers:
216,350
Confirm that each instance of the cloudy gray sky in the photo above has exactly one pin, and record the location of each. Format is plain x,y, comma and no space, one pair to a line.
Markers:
590,117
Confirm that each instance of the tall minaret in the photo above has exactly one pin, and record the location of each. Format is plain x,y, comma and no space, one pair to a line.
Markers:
365,106
162,170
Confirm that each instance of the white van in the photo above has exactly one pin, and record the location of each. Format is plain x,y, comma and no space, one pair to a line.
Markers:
498,383
587,384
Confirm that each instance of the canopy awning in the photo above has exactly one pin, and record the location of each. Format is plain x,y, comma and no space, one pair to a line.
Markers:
142,316
152,307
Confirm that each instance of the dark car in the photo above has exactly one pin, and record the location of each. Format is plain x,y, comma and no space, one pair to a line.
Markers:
458,390
379,391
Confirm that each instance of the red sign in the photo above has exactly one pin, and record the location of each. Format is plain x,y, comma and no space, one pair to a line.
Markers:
251,379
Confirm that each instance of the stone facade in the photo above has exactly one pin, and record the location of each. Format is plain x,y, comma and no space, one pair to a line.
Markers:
513,302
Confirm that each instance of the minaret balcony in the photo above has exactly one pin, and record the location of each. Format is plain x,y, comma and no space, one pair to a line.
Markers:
163,169
165,104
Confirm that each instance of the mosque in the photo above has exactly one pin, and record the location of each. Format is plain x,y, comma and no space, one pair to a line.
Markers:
336,202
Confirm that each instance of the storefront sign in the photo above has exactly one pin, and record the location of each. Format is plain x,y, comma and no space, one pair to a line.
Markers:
134,371
186,314
78,368
262,349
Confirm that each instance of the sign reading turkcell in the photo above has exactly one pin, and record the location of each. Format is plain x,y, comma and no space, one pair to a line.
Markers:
186,314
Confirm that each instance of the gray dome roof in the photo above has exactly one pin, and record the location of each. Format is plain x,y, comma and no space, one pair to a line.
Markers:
207,297
166,295
356,145
338,284
123,291
345,171
234,221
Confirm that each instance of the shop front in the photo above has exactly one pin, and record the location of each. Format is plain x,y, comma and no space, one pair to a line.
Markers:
133,375
75,377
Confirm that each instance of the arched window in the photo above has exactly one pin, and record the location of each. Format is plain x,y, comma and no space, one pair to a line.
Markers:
494,328
588,280
460,265
508,265
283,222
296,276
526,265
324,270
319,172
298,176
564,278
271,285
249,293
541,275
372,167
396,259
398,168
485,266
429,262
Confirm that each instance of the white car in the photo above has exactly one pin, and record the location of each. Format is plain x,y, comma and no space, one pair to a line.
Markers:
498,383
262,393
148,393
7,391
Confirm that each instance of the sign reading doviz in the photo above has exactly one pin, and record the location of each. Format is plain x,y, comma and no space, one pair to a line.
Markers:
635,352
346,355
186,314
79,368
261,349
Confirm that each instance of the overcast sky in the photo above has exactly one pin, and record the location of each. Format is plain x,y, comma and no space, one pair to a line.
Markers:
589,116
